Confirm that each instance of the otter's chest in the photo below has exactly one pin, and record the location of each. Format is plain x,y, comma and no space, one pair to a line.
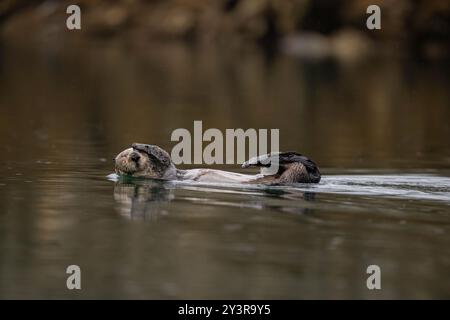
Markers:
218,176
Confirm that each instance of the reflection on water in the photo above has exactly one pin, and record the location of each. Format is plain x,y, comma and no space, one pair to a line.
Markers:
141,197
142,200
378,129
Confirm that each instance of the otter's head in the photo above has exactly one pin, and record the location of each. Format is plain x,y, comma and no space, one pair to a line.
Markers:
146,161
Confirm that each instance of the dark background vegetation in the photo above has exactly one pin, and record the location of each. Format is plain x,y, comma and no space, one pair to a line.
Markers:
420,26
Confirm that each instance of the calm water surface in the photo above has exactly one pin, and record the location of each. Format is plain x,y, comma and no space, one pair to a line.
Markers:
378,129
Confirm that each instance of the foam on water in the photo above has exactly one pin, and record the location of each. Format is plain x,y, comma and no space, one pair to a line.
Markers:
405,186
402,186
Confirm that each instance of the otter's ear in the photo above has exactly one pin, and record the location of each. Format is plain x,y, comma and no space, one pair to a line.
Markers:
155,152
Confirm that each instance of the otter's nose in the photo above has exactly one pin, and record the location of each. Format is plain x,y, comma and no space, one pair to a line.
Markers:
135,156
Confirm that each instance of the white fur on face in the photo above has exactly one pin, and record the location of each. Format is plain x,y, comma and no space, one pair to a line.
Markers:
124,164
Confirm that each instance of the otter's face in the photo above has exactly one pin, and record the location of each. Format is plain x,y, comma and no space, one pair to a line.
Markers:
131,162
144,160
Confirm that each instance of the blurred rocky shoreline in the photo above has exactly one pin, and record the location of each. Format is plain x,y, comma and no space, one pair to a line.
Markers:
303,28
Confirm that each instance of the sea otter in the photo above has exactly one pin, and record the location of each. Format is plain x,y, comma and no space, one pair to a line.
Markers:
151,161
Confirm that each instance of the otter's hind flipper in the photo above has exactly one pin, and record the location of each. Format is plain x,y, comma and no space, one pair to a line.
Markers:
292,167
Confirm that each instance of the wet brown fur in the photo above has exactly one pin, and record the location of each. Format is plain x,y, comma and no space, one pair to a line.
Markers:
151,161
